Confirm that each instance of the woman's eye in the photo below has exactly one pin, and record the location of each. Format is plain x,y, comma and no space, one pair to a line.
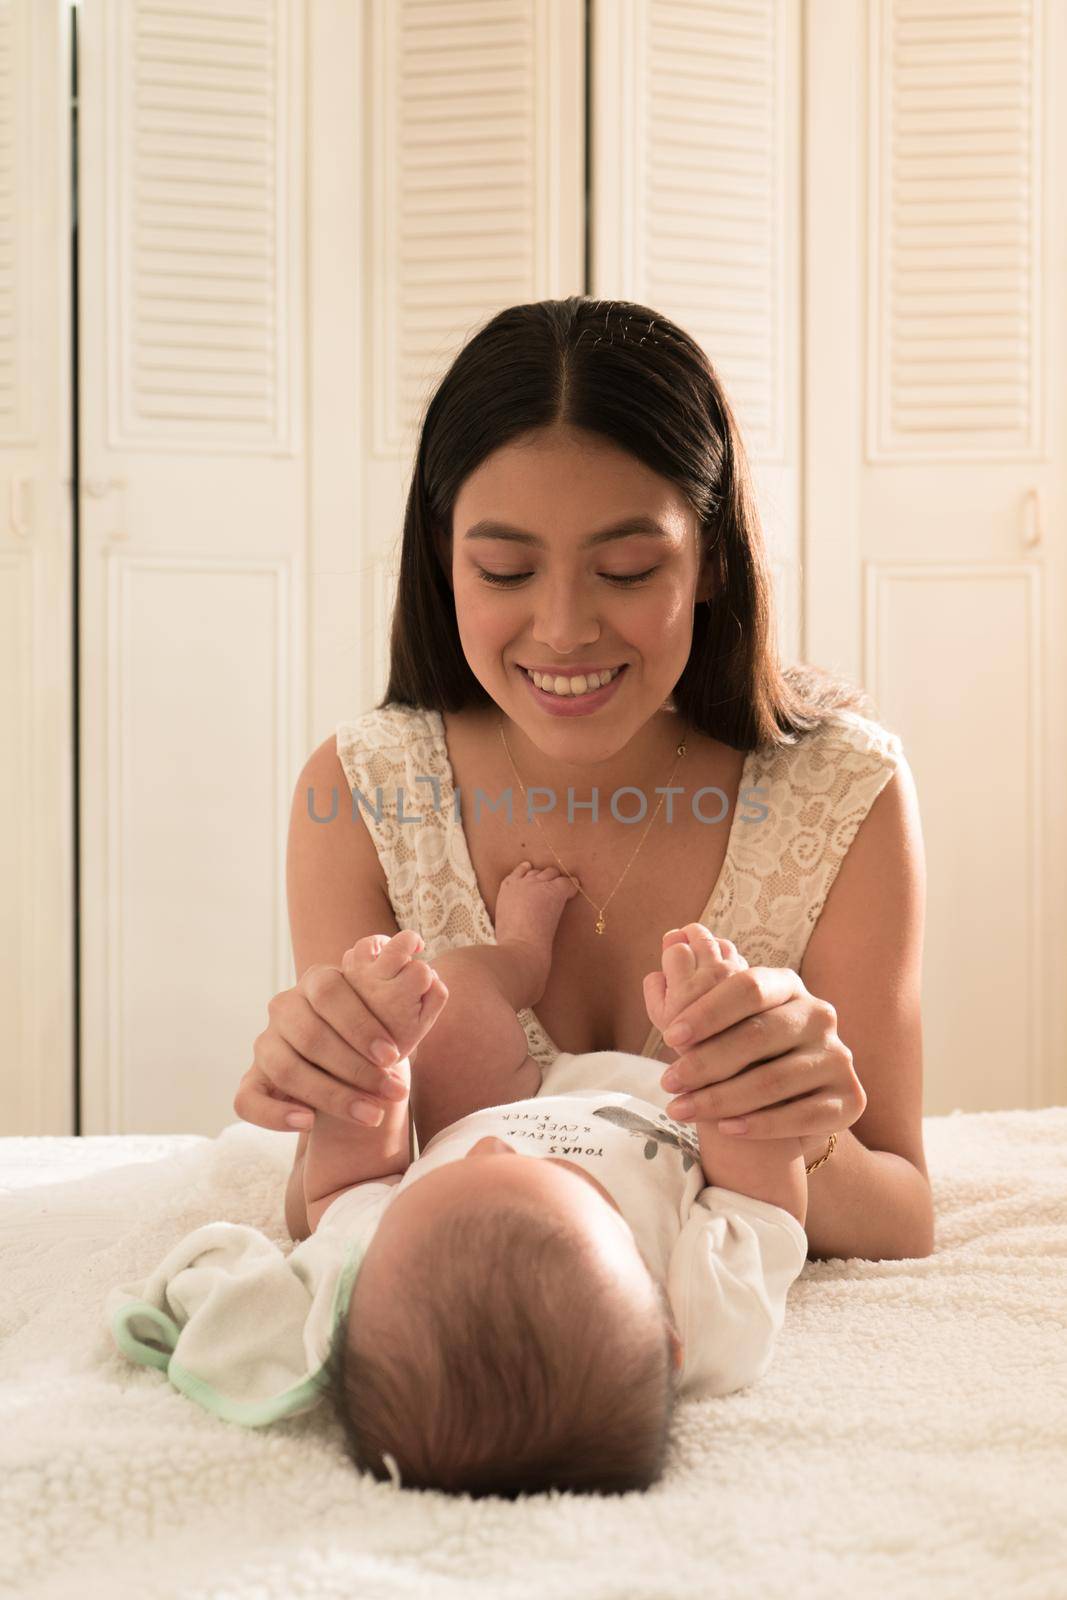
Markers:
505,579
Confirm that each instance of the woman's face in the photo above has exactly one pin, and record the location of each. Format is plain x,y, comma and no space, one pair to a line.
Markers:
566,604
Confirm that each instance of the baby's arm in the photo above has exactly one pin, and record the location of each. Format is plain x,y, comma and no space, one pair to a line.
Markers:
766,1169
342,1153
473,1054
694,962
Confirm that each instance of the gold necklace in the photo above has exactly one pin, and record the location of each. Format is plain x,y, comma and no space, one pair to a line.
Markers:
600,923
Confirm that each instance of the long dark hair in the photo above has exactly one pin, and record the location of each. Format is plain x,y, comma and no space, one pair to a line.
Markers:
623,372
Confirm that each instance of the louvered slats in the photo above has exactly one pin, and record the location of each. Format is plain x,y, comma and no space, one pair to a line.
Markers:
713,231
459,220
14,232
201,310
958,310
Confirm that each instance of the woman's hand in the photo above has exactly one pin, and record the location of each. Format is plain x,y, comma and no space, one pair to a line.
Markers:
317,1054
762,1048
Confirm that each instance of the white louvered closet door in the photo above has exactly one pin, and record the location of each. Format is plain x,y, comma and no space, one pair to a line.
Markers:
936,174
471,197
790,181
861,212
193,544
695,212
36,712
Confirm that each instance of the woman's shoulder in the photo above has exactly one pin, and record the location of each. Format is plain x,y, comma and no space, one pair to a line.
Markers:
844,740
387,727
814,794
860,736
817,786
379,747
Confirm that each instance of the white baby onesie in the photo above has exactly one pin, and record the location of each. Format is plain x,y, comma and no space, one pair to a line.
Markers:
244,1330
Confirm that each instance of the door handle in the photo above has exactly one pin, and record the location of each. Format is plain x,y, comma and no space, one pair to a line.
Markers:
1033,519
17,498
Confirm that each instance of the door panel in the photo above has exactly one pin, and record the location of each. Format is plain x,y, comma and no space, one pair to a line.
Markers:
194,544
935,179
36,709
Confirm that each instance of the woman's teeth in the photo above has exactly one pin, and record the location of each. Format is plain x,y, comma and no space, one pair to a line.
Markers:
570,686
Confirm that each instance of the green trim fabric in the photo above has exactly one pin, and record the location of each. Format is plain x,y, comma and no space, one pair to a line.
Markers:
235,1324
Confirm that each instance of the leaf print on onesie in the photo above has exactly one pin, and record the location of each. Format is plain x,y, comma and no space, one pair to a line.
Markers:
662,1131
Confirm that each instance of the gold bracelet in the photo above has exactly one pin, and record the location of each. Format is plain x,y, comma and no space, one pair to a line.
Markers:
826,1157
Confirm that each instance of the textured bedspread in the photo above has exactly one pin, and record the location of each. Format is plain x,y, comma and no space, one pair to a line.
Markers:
909,1440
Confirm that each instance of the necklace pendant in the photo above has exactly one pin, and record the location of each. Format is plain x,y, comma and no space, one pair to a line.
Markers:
600,924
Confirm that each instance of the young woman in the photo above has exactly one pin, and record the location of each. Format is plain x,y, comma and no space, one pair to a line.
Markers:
580,510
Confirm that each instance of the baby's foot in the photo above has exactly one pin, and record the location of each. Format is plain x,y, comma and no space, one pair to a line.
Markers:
528,908
692,962
404,994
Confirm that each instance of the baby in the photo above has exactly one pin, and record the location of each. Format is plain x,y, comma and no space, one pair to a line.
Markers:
516,1308
560,1261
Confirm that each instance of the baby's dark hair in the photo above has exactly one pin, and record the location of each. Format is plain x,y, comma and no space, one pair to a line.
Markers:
465,1380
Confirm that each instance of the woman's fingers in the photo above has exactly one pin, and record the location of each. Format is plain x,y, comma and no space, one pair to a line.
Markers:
306,1085
740,995
794,1119
256,1102
323,1049
327,1022
736,1053
304,1063
784,1079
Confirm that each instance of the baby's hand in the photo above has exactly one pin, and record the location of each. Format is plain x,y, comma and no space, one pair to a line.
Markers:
693,962
405,994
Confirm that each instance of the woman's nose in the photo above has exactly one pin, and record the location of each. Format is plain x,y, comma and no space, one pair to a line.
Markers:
566,621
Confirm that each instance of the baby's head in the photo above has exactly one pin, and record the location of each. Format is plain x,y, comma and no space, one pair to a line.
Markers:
505,1336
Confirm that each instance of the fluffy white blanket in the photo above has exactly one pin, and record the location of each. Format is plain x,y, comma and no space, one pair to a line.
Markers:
909,1440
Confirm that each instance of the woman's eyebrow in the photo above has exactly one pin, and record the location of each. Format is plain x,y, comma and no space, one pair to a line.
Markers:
627,528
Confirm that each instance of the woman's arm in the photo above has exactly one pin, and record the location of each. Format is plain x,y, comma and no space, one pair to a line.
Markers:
783,1054
336,893
872,1198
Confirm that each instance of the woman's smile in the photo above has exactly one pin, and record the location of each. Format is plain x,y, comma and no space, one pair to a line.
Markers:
570,704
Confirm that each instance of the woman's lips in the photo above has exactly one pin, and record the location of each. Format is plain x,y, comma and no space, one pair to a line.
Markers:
569,672
573,705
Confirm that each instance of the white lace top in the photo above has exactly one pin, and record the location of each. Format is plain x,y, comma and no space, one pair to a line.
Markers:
774,880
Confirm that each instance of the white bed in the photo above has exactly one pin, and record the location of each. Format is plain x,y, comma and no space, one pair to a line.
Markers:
909,1440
